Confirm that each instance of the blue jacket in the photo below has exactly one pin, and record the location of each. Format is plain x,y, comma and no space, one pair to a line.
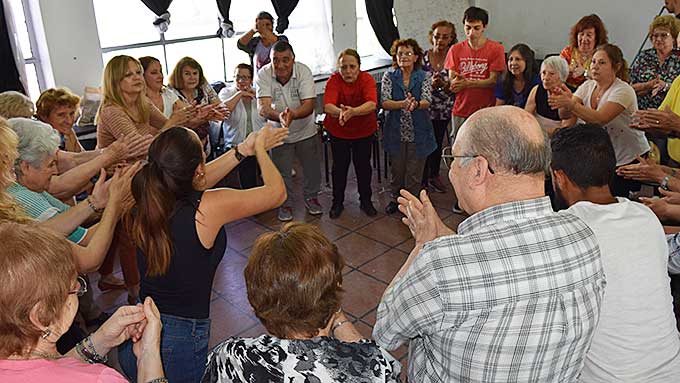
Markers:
422,125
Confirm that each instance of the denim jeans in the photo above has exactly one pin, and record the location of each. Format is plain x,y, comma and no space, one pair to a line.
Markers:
184,349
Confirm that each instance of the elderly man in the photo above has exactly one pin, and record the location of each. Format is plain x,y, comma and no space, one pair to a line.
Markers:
516,294
286,94
636,339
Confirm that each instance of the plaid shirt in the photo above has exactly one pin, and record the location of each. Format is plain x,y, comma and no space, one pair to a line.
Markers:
673,253
514,297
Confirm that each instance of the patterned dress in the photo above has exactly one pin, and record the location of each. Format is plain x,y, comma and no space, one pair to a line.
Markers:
268,359
442,98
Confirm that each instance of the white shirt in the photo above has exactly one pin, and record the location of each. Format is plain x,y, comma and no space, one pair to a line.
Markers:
636,339
300,87
234,127
169,99
627,142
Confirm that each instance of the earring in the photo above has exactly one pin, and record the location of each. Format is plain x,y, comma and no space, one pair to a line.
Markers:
46,333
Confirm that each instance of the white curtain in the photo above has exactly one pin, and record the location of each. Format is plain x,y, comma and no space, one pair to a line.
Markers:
310,32
16,48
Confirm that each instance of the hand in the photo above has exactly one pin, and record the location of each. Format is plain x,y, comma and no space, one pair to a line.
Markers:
659,206
459,83
181,116
286,117
664,120
421,217
644,170
671,197
250,93
561,98
137,145
150,340
219,112
203,112
576,69
270,137
100,191
121,183
123,325
346,112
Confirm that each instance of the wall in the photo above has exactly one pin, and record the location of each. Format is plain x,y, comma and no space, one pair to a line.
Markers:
72,43
517,21
415,17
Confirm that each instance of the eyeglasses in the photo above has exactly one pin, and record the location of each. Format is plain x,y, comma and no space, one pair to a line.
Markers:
441,37
404,54
81,289
448,158
243,78
660,35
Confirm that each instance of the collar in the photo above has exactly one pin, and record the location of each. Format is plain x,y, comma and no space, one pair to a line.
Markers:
510,211
294,75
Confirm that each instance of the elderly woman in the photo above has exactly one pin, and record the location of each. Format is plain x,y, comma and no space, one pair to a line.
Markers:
259,47
294,282
244,119
587,34
350,101
609,101
178,228
15,104
442,36
554,72
59,108
514,85
408,135
39,293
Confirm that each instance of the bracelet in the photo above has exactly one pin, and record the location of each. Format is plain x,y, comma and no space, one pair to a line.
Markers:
664,183
239,156
338,324
94,208
162,379
89,355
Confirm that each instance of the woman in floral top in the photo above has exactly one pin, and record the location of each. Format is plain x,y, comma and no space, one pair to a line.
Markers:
442,36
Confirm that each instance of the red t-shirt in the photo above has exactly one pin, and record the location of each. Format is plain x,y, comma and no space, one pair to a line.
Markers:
477,65
355,94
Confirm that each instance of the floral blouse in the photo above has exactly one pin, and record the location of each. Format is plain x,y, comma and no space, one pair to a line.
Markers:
442,98
647,66
269,359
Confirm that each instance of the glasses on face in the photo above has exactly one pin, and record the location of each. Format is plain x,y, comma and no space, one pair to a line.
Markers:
449,157
441,37
660,35
404,54
81,289
243,78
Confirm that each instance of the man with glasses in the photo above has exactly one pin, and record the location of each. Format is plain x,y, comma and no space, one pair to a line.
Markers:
286,95
515,295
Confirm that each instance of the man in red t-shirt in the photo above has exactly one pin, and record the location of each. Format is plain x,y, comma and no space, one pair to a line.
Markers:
474,65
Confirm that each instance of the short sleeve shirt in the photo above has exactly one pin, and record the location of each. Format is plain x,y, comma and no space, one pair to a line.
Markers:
647,67
299,87
338,92
475,64
43,206
627,142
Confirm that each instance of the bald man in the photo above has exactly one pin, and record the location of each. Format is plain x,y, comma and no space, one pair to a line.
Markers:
515,295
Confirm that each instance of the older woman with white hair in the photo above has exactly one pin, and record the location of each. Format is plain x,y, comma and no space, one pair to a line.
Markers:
15,104
554,73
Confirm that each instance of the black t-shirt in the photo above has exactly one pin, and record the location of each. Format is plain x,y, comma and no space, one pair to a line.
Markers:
542,107
185,289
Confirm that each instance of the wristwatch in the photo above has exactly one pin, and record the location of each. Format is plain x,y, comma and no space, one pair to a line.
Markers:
239,156
664,183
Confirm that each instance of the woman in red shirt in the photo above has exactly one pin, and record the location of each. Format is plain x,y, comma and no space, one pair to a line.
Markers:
349,103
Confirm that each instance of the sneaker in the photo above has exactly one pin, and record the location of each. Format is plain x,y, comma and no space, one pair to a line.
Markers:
456,209
285,214
367,207
437,185
313,206
391,207
336,210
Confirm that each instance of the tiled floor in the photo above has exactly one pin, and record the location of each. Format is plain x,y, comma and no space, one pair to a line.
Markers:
374,248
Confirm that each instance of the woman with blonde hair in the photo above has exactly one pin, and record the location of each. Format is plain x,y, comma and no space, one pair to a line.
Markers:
15,104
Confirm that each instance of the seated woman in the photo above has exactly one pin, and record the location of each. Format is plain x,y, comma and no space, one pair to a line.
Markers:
587,34
160,95
514,85
40,286
408,136
609,101
244,119
15,104
349,101
554,72
177,226
258,47
294,282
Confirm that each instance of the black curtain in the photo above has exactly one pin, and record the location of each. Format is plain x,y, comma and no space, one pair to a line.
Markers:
283,10
380,15
158,7
10,79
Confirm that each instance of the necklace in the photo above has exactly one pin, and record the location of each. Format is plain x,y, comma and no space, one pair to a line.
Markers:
46,356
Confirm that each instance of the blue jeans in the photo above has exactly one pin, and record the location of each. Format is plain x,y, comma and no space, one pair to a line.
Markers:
184,349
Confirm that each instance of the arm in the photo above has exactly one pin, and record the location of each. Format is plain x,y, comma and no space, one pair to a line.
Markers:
486,83
601,116
243,43
531,101
73,181
643,88
305,109
264,106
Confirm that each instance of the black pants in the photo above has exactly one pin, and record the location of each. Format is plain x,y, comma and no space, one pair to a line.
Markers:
433,163
247,172
346,151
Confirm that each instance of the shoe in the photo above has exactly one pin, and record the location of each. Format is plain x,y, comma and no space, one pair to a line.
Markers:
437,185
106,286
367,207
313,206
456,209
285,214
336,210
391,207
98,321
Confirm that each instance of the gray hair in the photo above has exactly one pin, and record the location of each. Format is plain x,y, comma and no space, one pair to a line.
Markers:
15,104
559,64
498,137
37,141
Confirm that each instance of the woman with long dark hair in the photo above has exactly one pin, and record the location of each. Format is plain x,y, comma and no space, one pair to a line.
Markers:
514,86
177,226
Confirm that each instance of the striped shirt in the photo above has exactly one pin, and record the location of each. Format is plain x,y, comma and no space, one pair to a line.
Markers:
42,206
514,297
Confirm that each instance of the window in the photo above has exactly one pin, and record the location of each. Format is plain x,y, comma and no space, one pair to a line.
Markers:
192,32
23,25
367,42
